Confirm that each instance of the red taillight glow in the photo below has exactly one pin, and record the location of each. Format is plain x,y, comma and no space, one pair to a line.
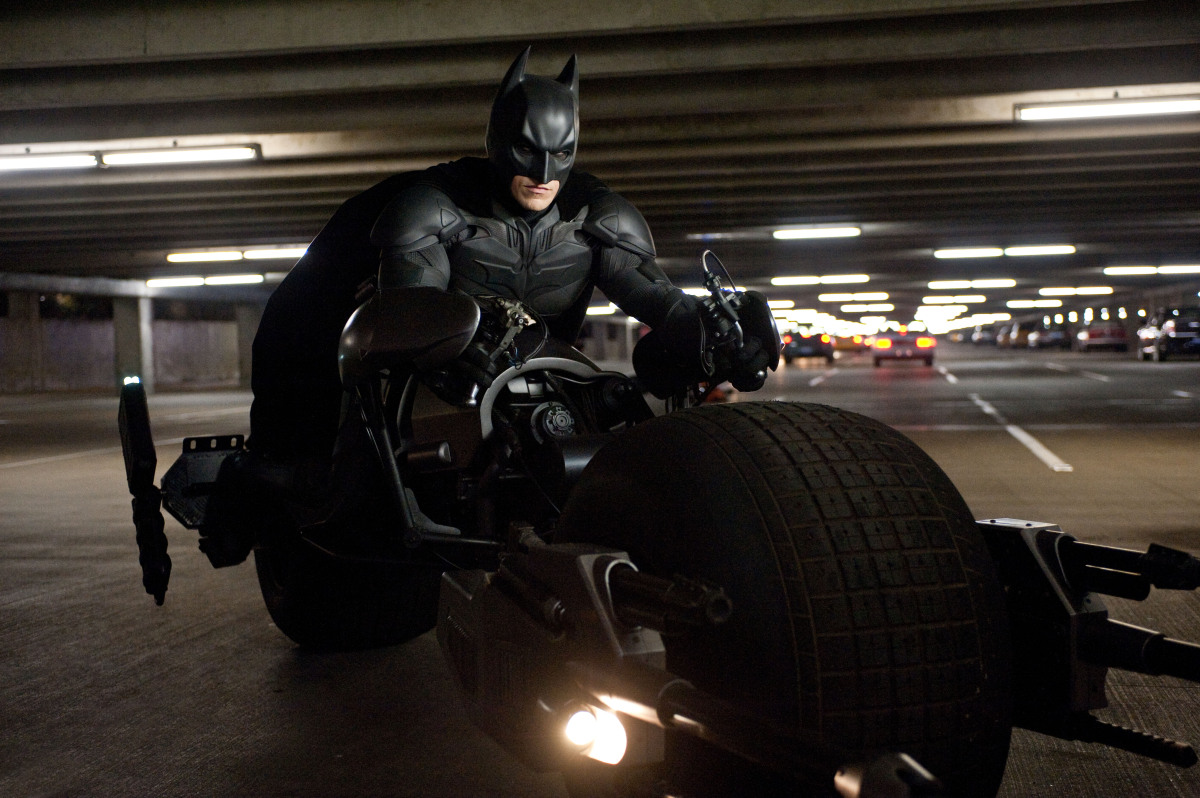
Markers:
787,339
857,339
824,338
924,342
883,343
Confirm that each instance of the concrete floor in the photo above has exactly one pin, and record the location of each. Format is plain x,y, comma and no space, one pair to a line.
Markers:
104,694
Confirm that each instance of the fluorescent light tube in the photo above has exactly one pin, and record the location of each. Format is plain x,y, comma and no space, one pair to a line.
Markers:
1054,249
281,253
954,285
203,257
1108,108
1034,303
174,282
968,252
798,279
74,160
794,233
1180,269
178,155
1129,271
845,278
233,279
950,300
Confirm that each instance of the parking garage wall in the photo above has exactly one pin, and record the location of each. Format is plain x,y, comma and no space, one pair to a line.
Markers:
77,355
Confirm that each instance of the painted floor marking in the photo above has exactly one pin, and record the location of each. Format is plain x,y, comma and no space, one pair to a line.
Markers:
815,381
1091,375
75,455
1031,443
1183,394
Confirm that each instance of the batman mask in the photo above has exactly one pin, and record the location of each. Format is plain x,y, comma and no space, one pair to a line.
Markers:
534,127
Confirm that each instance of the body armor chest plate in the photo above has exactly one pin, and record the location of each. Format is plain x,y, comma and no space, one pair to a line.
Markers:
546,266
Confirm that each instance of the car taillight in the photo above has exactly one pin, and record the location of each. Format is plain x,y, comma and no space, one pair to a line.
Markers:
858,339
883,343
824,338
925,342
787,339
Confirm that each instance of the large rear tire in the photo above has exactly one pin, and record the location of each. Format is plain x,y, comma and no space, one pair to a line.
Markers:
866,607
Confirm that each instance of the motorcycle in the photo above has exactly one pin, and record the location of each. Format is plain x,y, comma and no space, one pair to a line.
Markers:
693,598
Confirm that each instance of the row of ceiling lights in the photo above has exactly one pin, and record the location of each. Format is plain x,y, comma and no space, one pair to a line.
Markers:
150,157
1022,112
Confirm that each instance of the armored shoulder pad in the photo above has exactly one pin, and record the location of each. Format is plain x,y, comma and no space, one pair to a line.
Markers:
417,217
614,221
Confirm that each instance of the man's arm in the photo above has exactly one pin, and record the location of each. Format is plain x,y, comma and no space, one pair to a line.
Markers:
411,233
629,276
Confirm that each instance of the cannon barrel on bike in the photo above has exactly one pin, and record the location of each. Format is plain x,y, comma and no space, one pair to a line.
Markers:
665,605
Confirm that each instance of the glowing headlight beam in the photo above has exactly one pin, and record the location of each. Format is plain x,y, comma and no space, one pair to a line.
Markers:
598,733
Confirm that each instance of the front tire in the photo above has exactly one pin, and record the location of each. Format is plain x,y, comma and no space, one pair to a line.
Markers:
866,607
326,603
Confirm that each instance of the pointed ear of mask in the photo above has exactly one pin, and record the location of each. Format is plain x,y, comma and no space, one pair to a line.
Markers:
569,76
515,74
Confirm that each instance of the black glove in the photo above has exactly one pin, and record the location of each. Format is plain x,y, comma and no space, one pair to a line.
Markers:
672,356
746,367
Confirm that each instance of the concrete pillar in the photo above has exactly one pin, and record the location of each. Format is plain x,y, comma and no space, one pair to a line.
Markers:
23,348
247,317
133,329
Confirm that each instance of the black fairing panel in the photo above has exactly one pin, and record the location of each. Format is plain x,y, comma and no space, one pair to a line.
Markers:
424,326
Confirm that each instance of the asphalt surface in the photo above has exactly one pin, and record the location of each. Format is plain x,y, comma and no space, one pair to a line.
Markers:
104,694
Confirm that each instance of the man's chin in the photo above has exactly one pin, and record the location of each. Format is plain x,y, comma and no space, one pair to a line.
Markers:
536,201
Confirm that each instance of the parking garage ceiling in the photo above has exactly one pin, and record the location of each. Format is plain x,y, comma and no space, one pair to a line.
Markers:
722,122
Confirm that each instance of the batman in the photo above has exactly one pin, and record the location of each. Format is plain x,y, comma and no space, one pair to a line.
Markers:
521,223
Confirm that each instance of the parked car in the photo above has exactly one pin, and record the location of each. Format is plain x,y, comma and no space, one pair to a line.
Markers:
1050,336
1101,335
905,345
1169,333
807,343
850,343
1018,334
984,334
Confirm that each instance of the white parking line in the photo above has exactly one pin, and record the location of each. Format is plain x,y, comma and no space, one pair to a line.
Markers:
1031,443
815,381
199,414
74,455
1091,375
1039,450
950,378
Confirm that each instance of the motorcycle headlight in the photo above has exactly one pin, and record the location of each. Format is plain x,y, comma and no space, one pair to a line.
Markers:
597,733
